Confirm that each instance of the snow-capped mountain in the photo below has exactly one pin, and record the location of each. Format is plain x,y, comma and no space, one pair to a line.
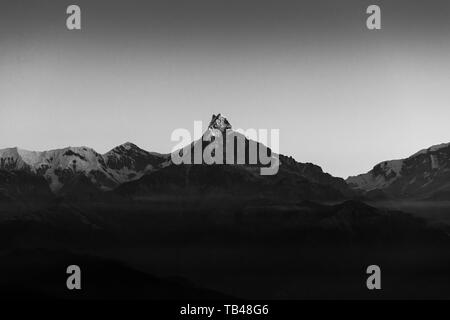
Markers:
425,174
234,146
293,180
128,162
123,163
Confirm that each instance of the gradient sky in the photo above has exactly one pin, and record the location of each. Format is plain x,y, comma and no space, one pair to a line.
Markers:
343,97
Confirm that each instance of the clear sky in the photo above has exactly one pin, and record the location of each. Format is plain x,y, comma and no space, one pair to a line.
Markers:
343,97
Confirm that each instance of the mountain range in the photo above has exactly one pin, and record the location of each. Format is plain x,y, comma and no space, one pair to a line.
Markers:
424,175
129,170
124,163
205,222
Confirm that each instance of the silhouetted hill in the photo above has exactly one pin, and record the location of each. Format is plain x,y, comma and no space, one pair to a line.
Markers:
41,274
23,187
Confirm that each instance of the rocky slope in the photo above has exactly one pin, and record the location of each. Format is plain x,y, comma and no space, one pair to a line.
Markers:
424,175
123,163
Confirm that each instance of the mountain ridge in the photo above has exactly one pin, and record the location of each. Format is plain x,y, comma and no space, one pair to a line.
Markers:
122,163
128,168
127,163
293,180
423,175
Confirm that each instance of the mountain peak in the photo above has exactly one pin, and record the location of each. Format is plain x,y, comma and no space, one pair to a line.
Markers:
129,145
125,147
219,122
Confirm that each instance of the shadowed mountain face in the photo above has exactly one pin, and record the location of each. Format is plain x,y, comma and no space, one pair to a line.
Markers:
215,219
21,186
237,180
424,175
